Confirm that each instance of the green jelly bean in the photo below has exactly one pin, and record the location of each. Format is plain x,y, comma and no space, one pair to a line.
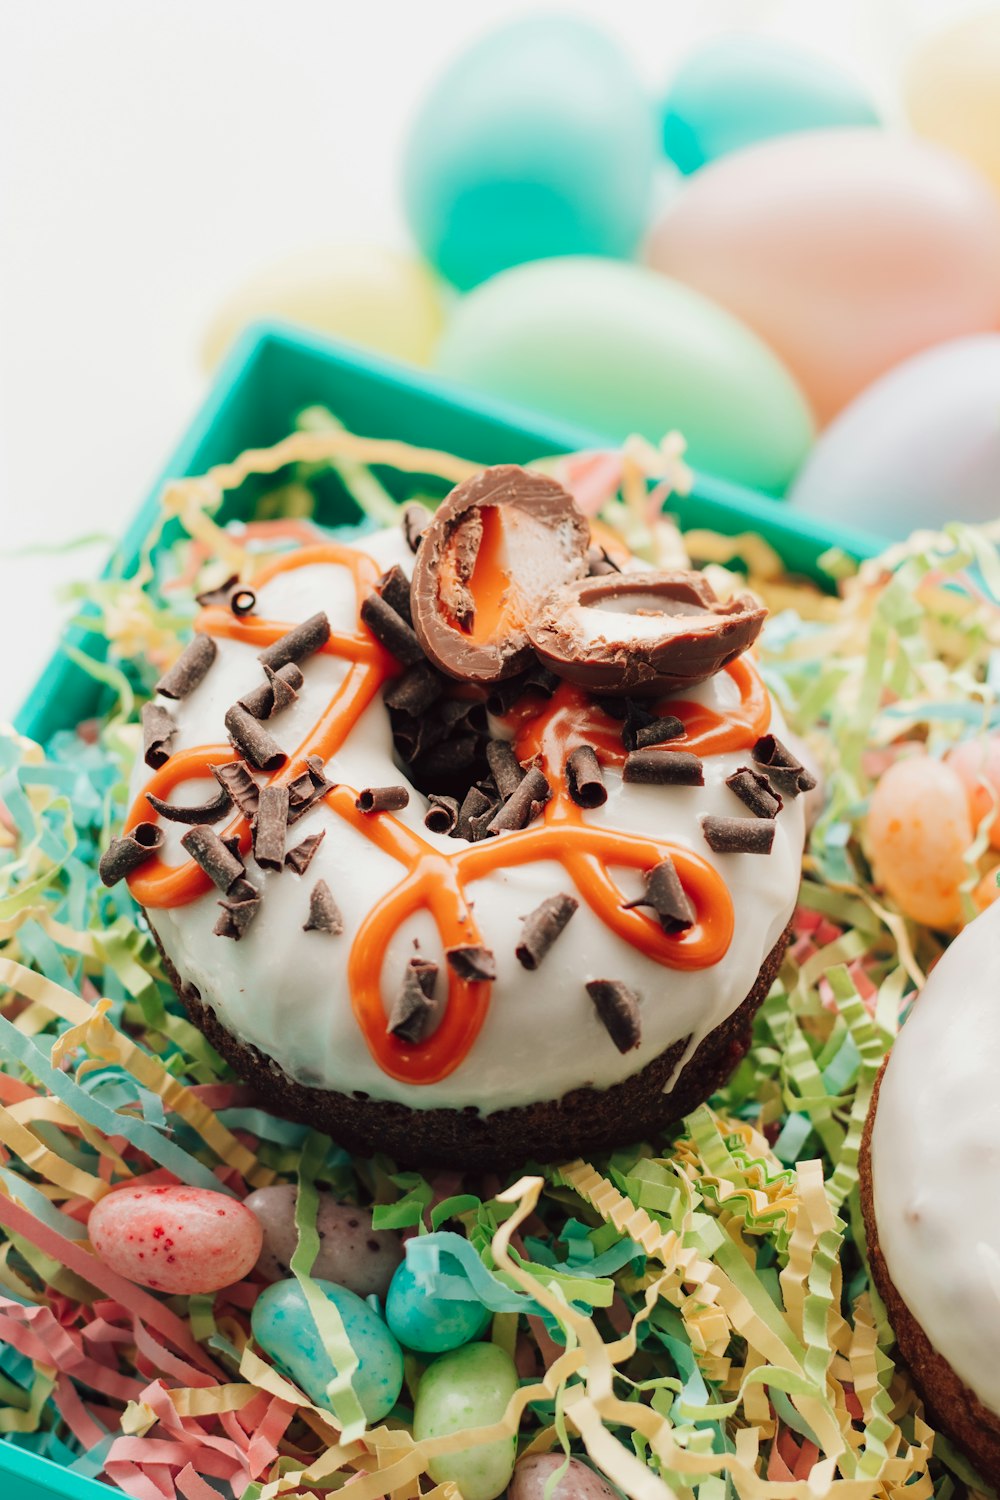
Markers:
459,1392
428,1323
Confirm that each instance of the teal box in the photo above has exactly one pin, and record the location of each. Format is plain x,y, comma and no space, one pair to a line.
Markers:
270,375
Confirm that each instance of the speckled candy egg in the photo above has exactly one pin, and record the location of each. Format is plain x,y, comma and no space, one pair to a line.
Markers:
579,1482
175,1239
459,1392
351,1252
918,831
284,1328
429,1323
539,140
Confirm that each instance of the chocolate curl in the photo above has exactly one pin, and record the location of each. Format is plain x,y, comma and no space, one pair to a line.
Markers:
755,792
324,913
232,843
475,803
738,835
300,858
394,586
391,630
189,668
415,691
231,595
414,1009
219,595
126,854
782,767
541,927
656,732
665,894
449,757
254,743
238,911
416,519
240,785
277,693
600,563
618,1008
207,812
158,730
304,640
382,799
663,768
507,770
220,864
269,828
442,815
307,789
585,778
526,803
472,962
503,695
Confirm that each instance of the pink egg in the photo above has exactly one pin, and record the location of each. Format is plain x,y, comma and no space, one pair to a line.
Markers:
846,250
918,831
175,1239
977,762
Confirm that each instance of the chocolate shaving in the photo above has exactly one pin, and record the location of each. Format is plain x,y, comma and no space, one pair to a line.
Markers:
391,630
738,835
304,640
238,911
269,828
219,595
126,854
414,1010
242,601
472,962
308,788
508,773
158,730
415,691
475,803
448,759
755,792
541,927
277,693
220,864
585,779
252,741
189,668
783,769
232,843
300,858
416,519
663,768
206,812
600,563
526,803
618,1008
394,586
382,799
442,815
665,894
240,785
324,913
655,732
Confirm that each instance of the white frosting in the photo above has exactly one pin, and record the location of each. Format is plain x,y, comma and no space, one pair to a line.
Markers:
285,991
936,1158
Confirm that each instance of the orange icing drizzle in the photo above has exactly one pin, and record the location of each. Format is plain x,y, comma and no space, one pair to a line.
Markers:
437,881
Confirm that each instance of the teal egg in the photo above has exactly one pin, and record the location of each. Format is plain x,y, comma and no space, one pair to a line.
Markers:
460,1391
284,1329
428,1323
741,89
539,140
618,349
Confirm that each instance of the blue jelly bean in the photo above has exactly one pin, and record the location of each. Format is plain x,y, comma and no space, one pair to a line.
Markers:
283,1327
423,1320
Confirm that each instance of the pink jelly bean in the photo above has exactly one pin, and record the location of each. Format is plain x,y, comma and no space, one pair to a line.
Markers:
175,1239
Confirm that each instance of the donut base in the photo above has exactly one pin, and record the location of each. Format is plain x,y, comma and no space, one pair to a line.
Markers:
584,1121
951,1405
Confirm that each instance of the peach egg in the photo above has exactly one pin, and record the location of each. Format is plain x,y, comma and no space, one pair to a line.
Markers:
918,830
977,765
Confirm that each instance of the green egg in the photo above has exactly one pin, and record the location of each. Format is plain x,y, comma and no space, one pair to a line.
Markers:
460,1391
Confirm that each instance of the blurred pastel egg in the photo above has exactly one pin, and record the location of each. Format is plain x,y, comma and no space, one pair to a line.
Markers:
539,140
365,294
918,448
846,250
351,1252
576,1480
739,89
976,763
428,1322
459,1392
177,1239
918,832
951,90
617,349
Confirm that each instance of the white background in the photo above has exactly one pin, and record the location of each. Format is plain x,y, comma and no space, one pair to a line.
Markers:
153,153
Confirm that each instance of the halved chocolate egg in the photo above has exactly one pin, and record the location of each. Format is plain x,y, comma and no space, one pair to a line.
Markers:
643,633
497,546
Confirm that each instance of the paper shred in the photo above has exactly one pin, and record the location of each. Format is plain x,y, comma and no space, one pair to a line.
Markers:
128,853
158,731
541,927
324,913
618,1008
189,669
297,644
